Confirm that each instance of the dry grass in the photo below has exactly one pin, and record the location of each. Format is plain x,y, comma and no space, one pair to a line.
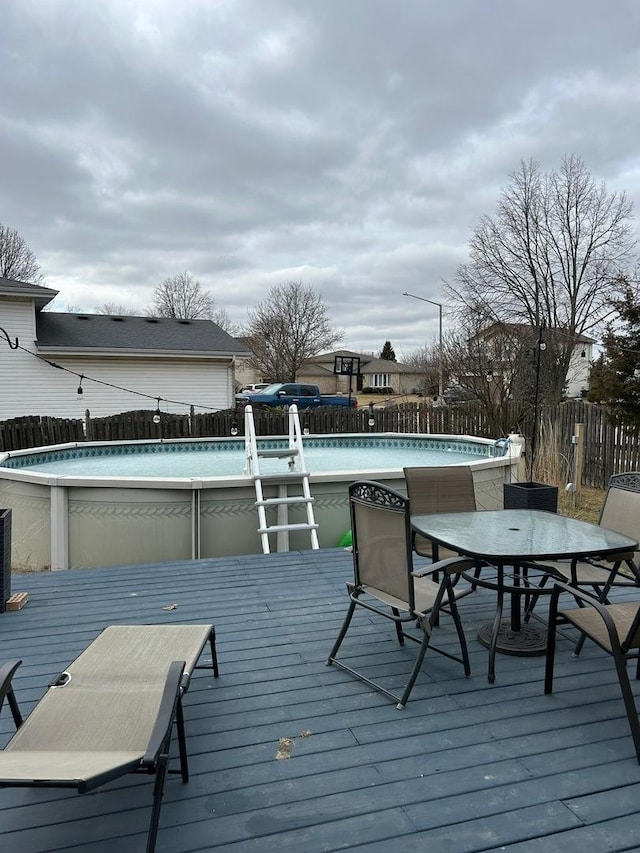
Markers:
585,504
555,468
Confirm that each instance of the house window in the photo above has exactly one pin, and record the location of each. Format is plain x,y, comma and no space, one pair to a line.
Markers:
381,380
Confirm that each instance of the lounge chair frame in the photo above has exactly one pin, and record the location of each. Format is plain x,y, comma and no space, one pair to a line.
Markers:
130,669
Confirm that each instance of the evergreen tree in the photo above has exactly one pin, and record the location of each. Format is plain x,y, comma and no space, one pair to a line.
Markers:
387,352
615,376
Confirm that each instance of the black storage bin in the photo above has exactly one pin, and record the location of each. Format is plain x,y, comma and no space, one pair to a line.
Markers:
530,495
5,557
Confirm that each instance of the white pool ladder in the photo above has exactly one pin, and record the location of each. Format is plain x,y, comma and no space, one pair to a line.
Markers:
296,474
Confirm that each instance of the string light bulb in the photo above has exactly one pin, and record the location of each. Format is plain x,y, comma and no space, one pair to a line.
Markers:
80,390
234,428
156,417
372,421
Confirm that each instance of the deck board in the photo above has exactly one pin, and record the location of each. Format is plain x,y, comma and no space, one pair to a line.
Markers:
467,766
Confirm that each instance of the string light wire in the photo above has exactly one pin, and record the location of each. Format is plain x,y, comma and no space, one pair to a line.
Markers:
15,345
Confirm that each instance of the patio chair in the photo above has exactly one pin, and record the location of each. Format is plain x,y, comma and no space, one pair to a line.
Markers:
620,512
438,489
615,628
112,712
385,583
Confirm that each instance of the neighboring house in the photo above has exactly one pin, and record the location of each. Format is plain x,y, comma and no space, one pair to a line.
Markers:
187,362
380,373
505,336
374,373
580,367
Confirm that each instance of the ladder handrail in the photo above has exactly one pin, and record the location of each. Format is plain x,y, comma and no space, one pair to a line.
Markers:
252,468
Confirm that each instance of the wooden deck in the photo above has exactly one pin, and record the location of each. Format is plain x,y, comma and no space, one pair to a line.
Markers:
467,766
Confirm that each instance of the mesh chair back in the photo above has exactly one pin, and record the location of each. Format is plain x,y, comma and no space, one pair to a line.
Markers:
632,640
621,508
381,530
440,489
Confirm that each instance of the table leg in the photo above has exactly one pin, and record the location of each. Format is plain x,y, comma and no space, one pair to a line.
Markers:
510,636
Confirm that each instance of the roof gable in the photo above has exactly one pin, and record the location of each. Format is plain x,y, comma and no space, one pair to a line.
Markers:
41,295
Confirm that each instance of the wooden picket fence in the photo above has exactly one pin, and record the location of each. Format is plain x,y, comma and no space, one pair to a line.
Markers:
608,448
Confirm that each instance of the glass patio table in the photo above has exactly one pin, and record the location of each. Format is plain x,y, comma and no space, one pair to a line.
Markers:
508,540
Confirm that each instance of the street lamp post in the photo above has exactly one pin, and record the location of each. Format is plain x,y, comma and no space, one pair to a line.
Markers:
440,344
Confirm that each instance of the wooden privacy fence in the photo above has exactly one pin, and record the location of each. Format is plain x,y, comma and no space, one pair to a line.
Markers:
608,448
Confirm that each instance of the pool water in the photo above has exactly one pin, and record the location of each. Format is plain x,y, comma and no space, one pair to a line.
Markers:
227,459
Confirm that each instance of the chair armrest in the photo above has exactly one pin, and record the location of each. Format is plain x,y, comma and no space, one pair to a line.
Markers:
161,734
590,601
450,566
6,690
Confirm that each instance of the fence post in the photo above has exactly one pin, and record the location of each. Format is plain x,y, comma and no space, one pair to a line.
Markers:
579,458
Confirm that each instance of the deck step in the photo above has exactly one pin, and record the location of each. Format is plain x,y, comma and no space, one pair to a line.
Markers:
292,499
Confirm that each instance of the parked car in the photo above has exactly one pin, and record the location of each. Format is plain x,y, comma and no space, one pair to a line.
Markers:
286,393
251,389
457,394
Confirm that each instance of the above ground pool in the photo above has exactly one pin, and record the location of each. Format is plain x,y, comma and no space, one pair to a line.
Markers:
226,458
113,503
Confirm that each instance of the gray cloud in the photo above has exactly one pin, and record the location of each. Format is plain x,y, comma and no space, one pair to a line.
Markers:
350,144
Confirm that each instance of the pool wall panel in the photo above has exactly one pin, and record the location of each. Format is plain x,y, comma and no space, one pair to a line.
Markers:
120,526
30,504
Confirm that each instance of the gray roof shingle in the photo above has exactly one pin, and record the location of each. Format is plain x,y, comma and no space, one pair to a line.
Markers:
65,332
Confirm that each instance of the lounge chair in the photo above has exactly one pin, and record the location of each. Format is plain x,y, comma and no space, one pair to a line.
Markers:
111,712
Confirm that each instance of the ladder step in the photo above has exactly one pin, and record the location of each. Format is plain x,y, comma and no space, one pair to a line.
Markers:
278,453
279,528
295,499
283,475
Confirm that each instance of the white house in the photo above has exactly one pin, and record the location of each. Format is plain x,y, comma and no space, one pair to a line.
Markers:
120,363
500,337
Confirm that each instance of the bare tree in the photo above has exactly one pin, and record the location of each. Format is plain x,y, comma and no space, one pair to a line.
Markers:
115,309
183,297
17,260
426,362
493,368
552,257
220,317
290,326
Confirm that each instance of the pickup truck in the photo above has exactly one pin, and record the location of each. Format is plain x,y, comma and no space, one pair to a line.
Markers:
286,393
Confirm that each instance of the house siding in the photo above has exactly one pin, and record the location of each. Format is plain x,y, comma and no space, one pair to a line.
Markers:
20,375
30,386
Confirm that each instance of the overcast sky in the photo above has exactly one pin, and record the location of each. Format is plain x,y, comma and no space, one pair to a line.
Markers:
348,144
